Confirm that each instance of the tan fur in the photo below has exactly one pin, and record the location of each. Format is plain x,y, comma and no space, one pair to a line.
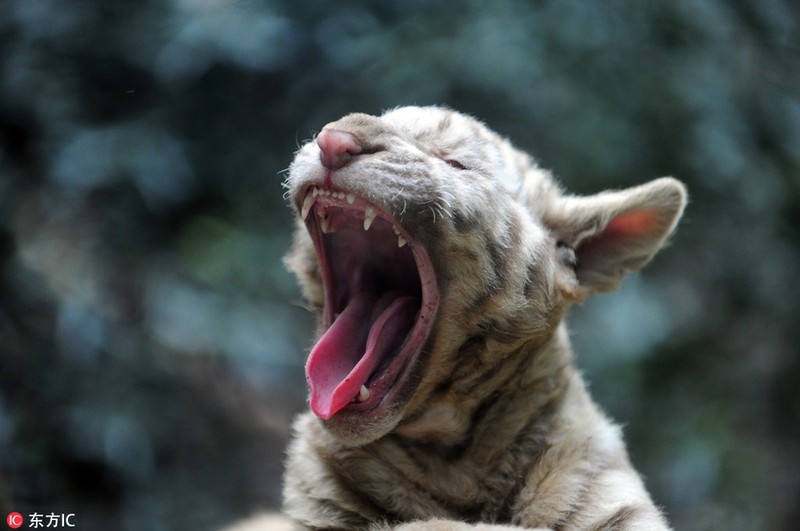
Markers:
263,522
498,431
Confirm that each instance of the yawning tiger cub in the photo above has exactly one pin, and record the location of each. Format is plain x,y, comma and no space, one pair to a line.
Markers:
443,391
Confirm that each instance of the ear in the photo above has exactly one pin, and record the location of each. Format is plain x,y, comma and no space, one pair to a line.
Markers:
615,232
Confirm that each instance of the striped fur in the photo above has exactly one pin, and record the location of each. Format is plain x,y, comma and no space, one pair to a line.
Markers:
497,430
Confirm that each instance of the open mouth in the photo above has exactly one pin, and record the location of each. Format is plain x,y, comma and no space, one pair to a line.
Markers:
380,300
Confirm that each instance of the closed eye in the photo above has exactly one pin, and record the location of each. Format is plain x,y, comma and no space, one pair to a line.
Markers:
455,164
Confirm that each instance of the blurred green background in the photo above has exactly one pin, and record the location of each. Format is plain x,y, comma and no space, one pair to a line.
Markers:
152,344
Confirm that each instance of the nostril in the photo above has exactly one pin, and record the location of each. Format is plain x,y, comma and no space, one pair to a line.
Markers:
337,147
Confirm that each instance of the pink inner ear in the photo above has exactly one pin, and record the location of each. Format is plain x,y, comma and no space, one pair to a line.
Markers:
633,224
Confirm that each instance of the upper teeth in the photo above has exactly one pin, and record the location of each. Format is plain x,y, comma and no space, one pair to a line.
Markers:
400,240
338,195
323,224
307,202
369,213
369,217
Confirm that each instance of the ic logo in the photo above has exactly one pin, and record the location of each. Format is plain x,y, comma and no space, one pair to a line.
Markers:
14,520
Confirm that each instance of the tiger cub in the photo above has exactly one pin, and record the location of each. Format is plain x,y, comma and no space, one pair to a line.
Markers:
441,262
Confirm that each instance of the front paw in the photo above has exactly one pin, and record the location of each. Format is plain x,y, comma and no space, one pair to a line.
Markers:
452,525
435,525
263,522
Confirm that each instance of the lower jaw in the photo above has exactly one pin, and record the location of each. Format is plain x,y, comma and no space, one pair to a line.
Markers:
362,423
352,428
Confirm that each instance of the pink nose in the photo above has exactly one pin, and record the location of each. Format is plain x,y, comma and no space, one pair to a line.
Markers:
337,148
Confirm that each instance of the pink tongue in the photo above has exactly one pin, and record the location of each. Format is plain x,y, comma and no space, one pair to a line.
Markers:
350,350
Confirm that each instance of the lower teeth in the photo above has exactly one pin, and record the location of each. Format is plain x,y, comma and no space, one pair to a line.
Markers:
363,394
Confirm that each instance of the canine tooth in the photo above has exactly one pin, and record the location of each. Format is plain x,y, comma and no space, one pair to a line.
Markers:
307,202
401,241
369,217
351,198
363,394
323,220
315,191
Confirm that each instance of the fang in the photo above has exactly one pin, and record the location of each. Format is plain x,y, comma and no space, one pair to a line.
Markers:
369,217
306,206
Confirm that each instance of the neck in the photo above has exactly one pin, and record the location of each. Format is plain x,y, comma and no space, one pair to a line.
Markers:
477,437
491,396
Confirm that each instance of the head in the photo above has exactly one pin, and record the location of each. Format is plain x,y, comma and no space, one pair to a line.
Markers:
422,231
